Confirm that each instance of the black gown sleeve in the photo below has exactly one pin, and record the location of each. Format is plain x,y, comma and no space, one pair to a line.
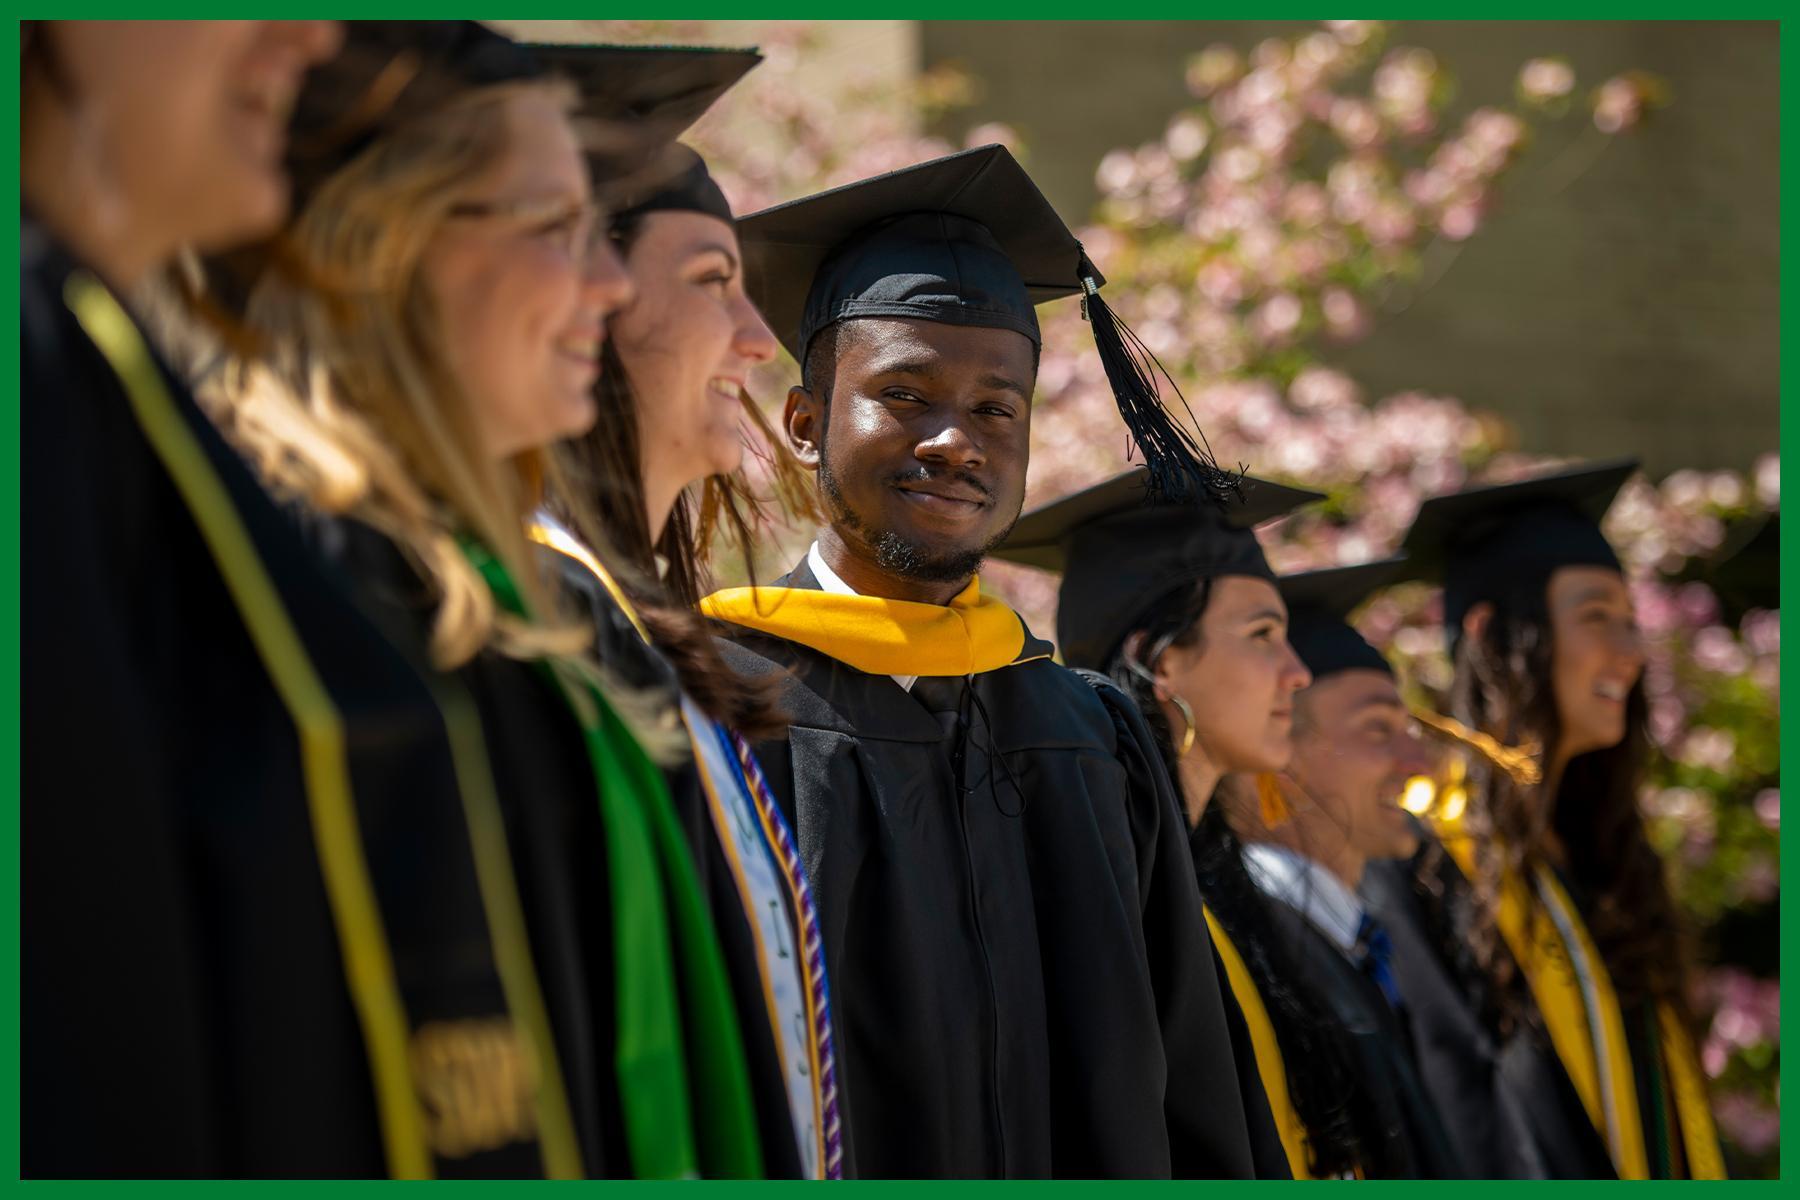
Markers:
112,982
1505,1103
1209,1133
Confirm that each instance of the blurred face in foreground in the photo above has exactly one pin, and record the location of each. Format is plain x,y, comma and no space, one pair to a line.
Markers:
921,445
1354,749
523,280
163,133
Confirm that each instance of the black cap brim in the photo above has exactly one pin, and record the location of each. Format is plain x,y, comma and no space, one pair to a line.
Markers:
635,102
1337,591
1449,523
1040,537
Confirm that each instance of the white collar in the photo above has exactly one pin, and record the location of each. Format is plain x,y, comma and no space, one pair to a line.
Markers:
1309,889
829,581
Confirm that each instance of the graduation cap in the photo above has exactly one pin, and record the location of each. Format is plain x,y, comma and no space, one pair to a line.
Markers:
1319,605
967,239
389,73
1745,571
1120,552
1482,541
657,92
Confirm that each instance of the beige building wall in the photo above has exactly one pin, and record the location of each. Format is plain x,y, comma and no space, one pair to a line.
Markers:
1624,306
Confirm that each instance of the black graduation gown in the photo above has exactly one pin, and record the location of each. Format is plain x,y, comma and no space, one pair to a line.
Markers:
141,993
185,1005
1016,993
1507,1102
1387,1078
639,665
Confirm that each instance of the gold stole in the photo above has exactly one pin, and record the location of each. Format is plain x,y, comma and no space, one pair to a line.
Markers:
971,634
1575,997
1269,1065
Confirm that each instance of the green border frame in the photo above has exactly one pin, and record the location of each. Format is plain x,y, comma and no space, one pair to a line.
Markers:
10,699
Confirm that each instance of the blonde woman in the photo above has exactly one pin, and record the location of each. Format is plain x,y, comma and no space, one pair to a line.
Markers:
425,328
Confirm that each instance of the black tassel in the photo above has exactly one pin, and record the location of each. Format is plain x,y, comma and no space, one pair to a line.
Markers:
1181,465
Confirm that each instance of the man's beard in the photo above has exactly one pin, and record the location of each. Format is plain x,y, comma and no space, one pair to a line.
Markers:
894,553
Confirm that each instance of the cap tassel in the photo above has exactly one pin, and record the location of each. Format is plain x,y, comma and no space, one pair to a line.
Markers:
1271,804
1519,762
1181,468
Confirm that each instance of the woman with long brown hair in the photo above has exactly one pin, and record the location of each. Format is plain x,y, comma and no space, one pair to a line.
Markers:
1549,982
412,348
662,465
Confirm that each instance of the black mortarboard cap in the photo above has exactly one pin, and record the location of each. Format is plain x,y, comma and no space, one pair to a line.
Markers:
1483,541
1319,605
388,73
1120,552
1745,571
967,239
658,92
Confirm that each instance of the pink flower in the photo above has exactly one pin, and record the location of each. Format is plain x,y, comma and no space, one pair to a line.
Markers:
1747,1121
1390,224
1221,281
1618,105
1544,79
1768,808
1695,605
1353,33
1355,122
1345,317
1761,631
1459,221
1305,205
1187,137
1318,389
1212,69
1715,650
993,133
1277,318
1709,749
1768,480
1117,173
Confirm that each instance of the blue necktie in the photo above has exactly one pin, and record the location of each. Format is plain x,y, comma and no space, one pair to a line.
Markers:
1375,954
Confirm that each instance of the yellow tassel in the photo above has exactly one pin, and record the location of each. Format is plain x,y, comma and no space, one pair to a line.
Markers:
1272,803
1519,762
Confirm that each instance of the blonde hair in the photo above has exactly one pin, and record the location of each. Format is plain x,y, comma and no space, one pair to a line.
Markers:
349,407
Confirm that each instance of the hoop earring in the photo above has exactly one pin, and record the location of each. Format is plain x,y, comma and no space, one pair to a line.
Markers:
1187,714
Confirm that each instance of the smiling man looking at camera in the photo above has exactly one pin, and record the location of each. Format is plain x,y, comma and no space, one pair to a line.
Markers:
1021,971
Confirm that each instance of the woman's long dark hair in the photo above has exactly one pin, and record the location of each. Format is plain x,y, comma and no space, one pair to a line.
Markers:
1341,1134
1503,686
610,463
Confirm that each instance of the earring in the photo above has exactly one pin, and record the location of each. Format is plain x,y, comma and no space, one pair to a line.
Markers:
1273,805
1187,715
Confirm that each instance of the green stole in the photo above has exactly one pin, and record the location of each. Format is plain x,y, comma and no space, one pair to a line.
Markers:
679,1054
